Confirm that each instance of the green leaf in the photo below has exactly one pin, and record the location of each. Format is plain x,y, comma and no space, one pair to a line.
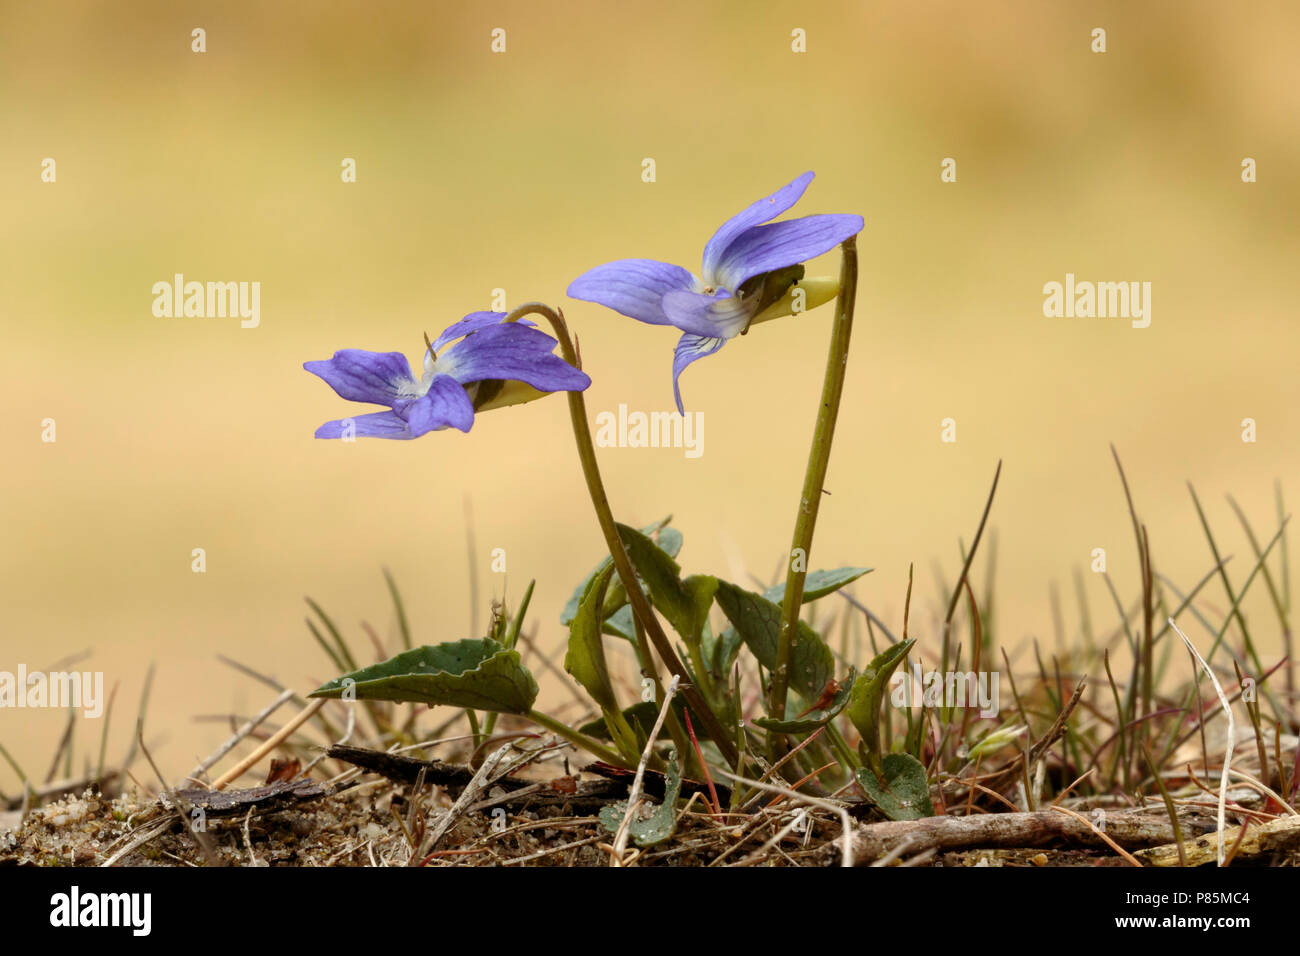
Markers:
621,624
669,540
691,617
818,584
711,646
721,653
901,790
660,824
814,718
684,603
517,622
478,673
640,716
758,622
868,693
585,658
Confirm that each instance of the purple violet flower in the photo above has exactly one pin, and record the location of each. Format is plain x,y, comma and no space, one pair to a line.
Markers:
734,290
492,365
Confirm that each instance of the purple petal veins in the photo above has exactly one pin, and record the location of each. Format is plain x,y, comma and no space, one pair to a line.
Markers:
444,404
780,244
471,323
511,351
361,376
479,347
689,349
372,425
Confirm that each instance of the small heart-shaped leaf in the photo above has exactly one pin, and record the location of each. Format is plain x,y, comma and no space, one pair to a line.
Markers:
758,622
901,791
660,824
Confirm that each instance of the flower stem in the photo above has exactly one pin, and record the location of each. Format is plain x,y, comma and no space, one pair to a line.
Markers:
578,739
644,654
847,757
622,563
818,459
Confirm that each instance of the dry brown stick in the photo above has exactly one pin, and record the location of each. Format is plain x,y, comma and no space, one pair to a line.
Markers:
140,836
487,775
249,726
1040,828
278,738
1101,834
1281,834
634,795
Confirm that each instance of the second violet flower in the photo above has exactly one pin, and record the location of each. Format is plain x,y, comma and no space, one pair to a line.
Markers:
749,268
476,364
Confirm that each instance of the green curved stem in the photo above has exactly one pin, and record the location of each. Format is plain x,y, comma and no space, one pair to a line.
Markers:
622,563
578,739
815,477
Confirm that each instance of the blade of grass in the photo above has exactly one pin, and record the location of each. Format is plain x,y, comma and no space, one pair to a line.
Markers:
345,653
1232,734
1085,619
22,775
402,626
512,638
1121,759
1252,711
961,580
1144,565
1280,606
1227,584
1169,806
139,718
103,733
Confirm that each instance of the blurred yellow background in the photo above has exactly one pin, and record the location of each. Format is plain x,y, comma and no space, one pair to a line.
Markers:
478,171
